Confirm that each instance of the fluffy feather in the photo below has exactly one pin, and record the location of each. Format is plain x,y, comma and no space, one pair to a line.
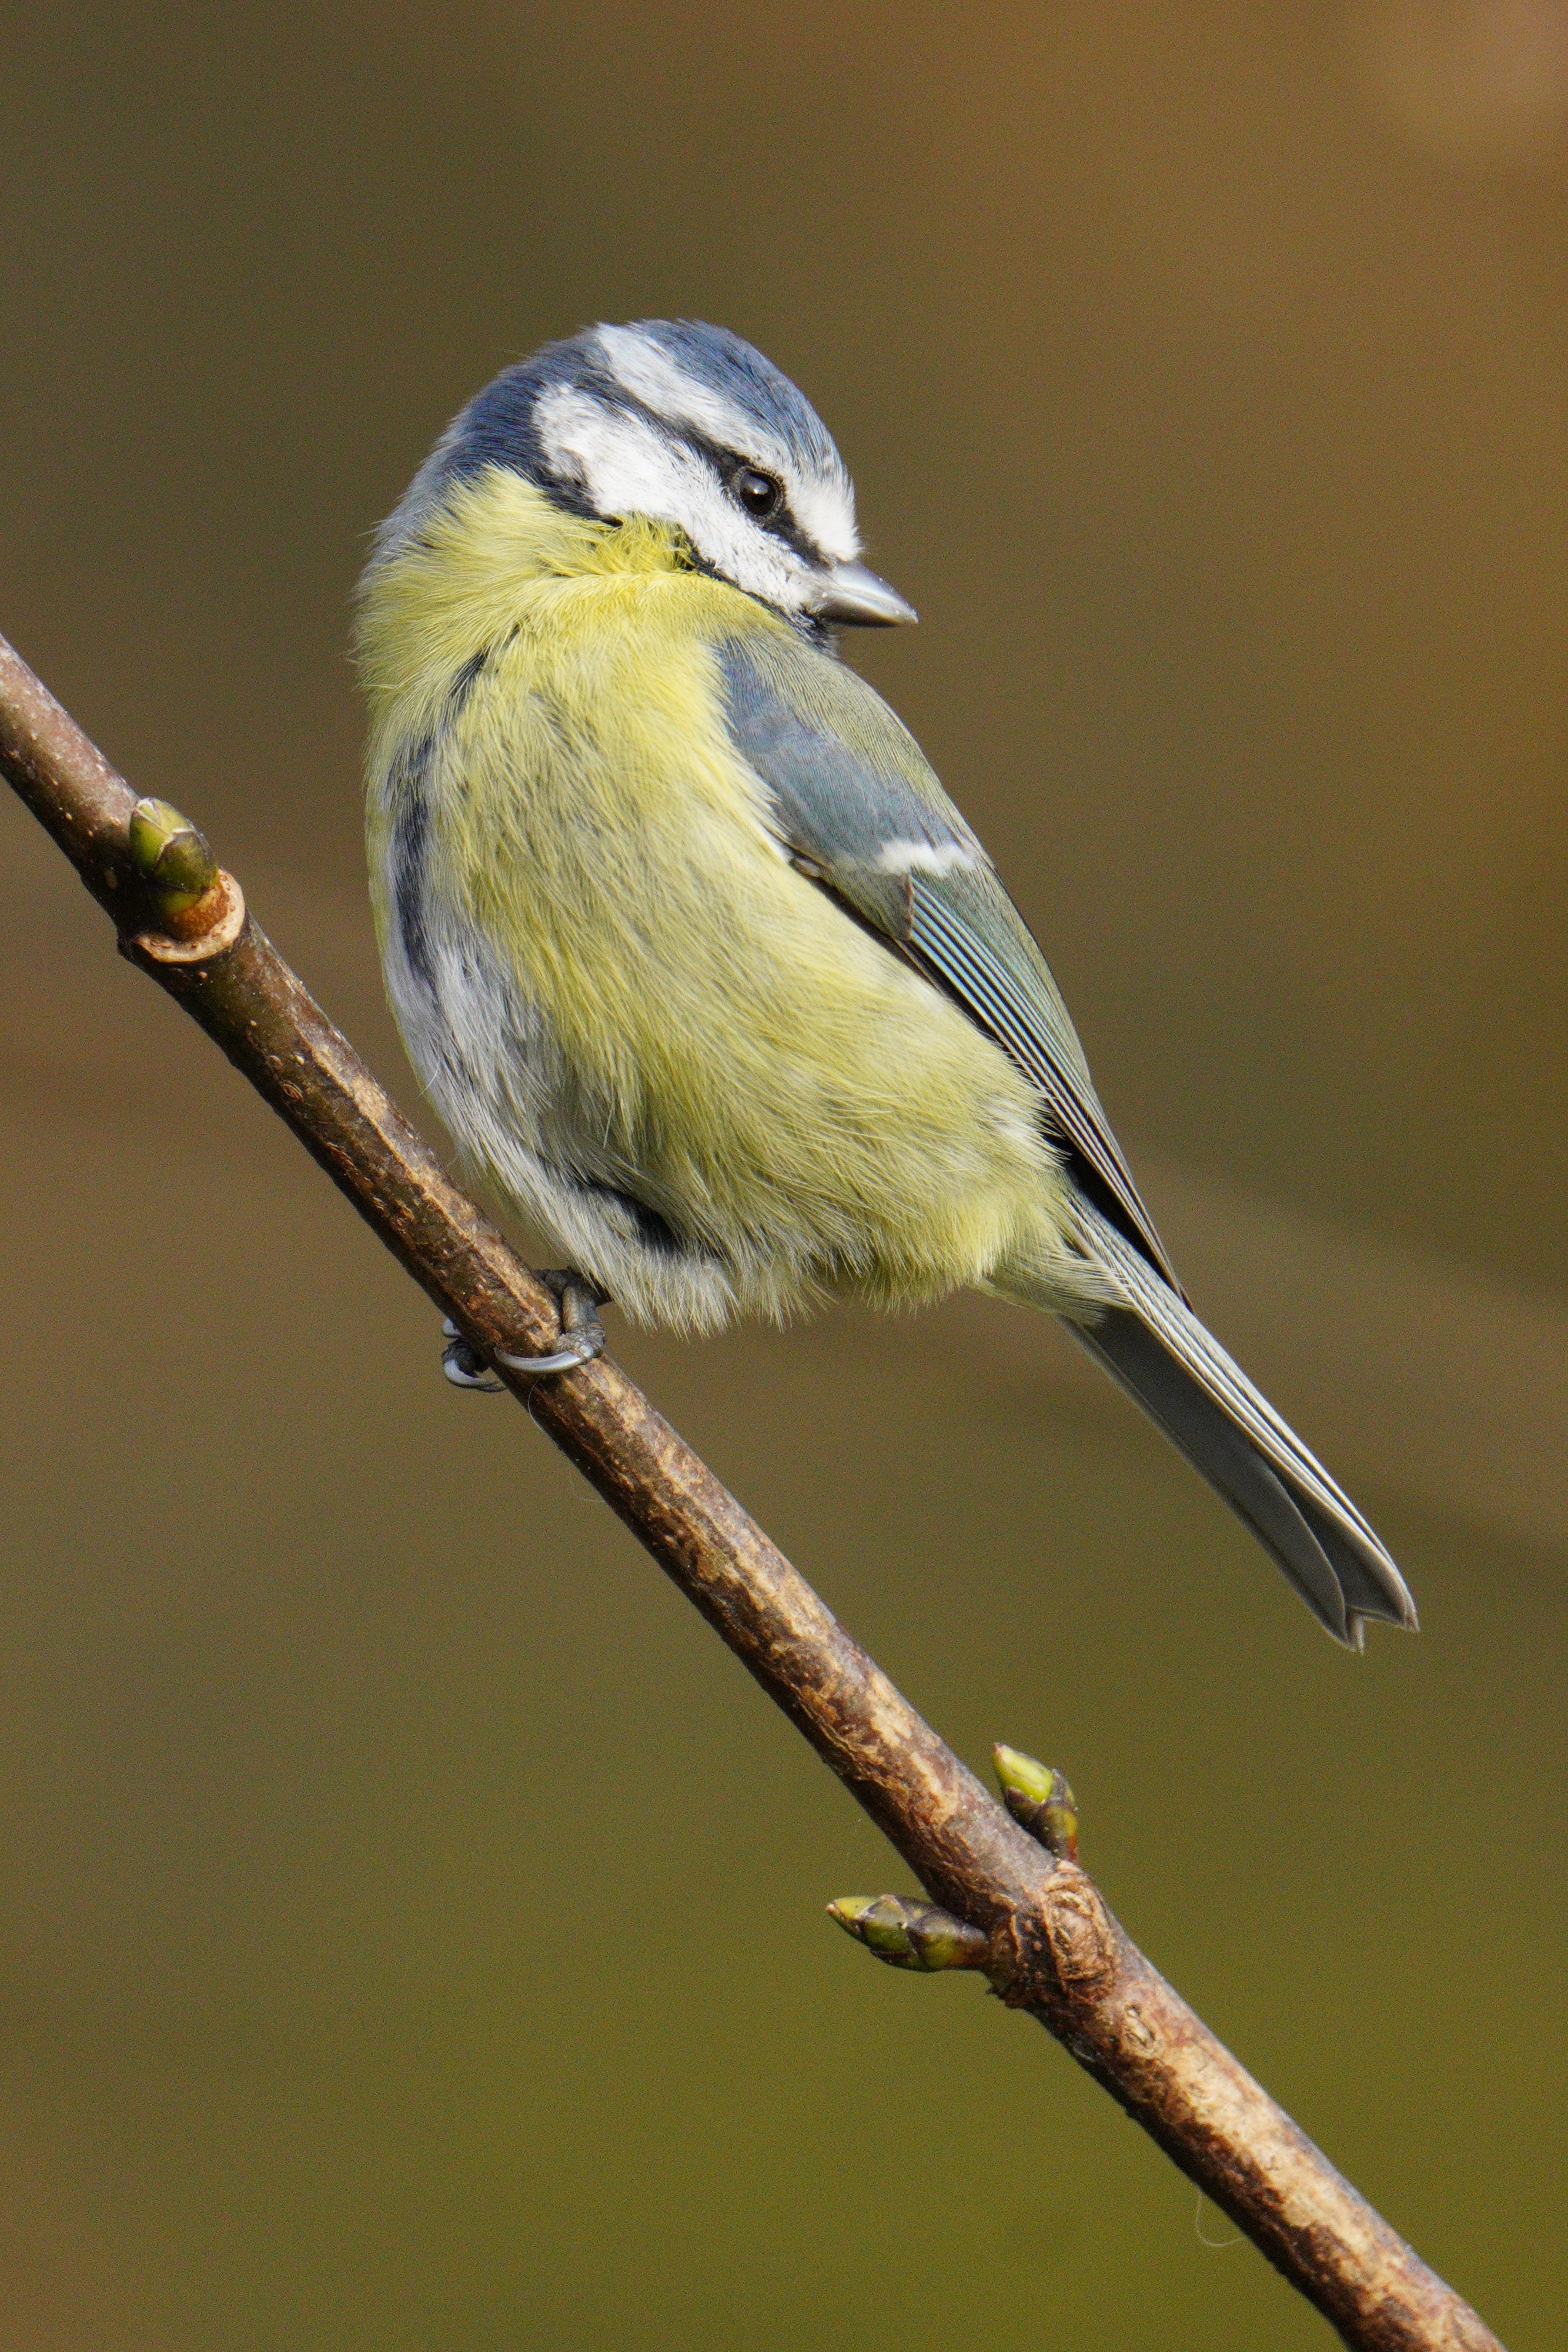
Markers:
701,966
630,1009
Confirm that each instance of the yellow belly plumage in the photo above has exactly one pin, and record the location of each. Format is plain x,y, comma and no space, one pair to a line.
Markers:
699,963
714,1090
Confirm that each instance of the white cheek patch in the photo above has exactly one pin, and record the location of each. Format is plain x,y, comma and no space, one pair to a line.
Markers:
926,857
626,466
823,502
622,467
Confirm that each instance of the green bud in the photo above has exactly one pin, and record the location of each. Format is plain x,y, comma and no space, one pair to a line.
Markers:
1040,1801
940,1941
850,1910
1022,1776
171,856
909,1935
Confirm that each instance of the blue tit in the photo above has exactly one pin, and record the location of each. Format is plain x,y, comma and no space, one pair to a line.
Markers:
701,967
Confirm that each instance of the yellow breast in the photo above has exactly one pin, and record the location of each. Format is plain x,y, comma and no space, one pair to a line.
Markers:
706,1028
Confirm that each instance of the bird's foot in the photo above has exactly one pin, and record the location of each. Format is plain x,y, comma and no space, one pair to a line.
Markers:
462,1364
581,1332
581,1336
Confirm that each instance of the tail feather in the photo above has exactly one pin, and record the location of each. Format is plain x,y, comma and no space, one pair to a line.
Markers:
1155,1348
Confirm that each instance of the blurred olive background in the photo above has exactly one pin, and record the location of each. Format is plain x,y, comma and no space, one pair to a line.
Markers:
411,1932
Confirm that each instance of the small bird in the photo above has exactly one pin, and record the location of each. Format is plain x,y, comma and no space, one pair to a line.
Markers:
701,967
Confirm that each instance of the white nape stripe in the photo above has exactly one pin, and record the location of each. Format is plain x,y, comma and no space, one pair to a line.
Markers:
822,503
645,370
926,857
626,466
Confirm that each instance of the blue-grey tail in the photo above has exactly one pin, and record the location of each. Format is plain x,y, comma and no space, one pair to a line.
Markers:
1156,1348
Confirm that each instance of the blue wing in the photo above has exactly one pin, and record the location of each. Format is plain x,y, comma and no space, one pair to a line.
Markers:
860,807
863,813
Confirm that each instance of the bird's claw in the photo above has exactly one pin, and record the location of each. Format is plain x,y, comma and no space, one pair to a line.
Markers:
462,1364
581,1333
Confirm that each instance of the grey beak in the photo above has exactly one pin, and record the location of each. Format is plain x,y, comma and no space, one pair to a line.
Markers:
856,597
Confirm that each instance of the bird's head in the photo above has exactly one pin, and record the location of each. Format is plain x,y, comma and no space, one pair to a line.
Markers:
689,425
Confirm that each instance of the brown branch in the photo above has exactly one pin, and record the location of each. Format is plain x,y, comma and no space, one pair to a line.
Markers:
1023,1910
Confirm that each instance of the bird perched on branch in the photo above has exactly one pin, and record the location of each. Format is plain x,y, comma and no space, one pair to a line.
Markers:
701,966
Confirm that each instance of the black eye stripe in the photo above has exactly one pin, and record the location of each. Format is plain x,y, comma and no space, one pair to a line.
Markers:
726,463
729,464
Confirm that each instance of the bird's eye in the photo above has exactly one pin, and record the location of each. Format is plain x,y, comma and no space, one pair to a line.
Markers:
758,493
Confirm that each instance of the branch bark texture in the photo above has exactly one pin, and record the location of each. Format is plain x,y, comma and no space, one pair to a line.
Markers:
1051,1944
